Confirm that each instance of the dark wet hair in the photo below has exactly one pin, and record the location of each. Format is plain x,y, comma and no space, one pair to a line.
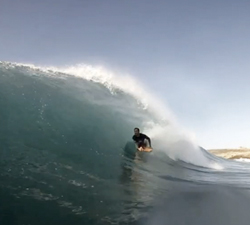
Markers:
136,128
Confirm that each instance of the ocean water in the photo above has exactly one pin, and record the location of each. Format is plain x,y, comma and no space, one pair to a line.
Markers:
67,156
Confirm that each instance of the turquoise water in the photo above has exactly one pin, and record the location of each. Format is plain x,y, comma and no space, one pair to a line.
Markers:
67,157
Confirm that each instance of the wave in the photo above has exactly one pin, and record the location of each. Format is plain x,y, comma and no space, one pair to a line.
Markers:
149,113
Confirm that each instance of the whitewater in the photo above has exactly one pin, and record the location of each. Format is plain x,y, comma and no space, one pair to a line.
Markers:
67,155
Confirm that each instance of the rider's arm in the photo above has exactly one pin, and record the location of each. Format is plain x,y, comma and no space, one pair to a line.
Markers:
149,141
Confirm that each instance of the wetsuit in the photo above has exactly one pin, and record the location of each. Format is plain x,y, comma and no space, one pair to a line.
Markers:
140,140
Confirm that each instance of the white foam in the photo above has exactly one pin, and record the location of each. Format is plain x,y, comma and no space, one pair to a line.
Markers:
178,143
243,160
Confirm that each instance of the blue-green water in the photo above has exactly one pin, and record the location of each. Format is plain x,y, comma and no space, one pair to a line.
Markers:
67,157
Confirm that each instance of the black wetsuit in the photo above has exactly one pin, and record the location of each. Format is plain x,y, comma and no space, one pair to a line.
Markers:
140,139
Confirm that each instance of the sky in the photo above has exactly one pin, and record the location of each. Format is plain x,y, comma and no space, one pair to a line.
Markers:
193,55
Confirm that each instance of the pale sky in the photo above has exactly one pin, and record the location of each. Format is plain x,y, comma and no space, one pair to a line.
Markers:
194,55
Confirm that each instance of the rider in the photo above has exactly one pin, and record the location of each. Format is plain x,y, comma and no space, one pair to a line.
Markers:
139,138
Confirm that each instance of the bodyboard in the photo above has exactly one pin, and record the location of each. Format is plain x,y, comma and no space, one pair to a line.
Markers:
146,149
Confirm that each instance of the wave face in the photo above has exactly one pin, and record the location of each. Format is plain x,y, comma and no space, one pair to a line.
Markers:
67,153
